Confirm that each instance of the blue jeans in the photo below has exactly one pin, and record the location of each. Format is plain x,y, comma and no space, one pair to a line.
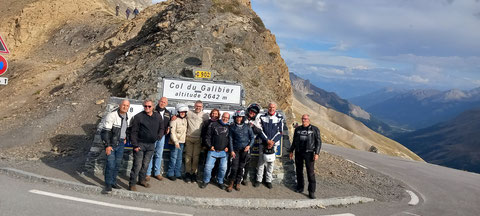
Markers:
114,161
213,156
175,166
156,161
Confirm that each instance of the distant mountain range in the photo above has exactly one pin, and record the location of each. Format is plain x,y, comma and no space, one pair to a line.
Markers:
333,101
454,143
415,109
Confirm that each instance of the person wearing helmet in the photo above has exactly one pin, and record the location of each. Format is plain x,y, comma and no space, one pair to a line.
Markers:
253,121
178,133
252,118
271,135
241,139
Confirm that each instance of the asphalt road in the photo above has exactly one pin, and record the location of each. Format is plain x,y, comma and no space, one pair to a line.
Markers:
442,191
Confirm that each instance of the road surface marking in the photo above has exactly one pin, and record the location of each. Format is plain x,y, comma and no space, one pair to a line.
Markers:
413,198
411,214
344,214
364,167
104,203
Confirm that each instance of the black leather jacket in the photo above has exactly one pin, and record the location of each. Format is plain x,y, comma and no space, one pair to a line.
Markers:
217,136
308,136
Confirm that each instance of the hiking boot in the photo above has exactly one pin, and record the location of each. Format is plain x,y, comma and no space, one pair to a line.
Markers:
194,178
222,186
108,188
132,188
144,184
203,185
187,178
269,185
299,190
159,177
147,178
237,187
256,184
311,195
230,187
115,186
244,182
172,178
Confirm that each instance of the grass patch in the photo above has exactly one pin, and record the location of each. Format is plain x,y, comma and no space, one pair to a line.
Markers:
227,6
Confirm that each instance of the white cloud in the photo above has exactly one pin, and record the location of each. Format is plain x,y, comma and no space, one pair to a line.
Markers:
432,43
341,46
417,79
323,58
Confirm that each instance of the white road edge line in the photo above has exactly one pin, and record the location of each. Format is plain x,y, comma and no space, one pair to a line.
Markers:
411,214
344,214
104,203
413,198
364,167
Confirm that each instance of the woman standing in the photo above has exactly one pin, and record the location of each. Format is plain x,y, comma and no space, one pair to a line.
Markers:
177,135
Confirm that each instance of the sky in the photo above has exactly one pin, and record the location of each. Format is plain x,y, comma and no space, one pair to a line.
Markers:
358,46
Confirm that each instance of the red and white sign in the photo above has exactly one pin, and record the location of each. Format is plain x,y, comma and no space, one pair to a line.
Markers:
3,65
3,47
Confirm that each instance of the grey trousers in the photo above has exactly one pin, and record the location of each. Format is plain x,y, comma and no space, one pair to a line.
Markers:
262,164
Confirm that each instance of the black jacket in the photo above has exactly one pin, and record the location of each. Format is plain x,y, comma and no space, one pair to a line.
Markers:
306,138
167,115
112,128
217,136
146,129
203,134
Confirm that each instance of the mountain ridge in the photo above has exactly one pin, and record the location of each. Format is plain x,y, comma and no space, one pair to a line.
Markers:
454,143
418,108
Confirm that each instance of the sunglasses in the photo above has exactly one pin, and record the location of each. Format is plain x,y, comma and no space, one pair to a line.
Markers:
147,106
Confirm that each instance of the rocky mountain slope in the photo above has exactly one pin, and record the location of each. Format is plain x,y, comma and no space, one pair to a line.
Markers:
67,58
58,81
454,143
340,129
416,109
333,101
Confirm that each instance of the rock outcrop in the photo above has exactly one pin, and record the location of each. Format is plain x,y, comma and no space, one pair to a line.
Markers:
173,38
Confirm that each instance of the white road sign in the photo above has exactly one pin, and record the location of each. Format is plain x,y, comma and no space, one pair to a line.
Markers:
3,81
204,91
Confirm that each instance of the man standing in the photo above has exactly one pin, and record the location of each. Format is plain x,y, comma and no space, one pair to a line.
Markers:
135,12
241,140
253,121
217,139
272,128
193,143
114,135
127,12
306,144
117,10
156,161
146,129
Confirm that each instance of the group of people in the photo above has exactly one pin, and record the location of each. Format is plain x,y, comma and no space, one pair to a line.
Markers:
208,139
127,11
